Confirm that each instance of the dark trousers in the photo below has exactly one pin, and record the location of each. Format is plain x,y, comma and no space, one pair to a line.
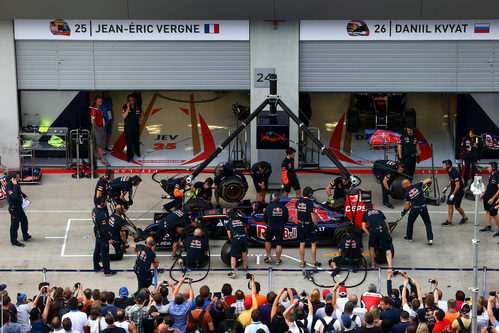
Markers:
469,162
175,203
144,280
17,216
384,192
132,134
101,253
413,214
410,164
118,255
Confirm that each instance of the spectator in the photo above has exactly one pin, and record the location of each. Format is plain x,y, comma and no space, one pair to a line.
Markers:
376,312
490,311
56,324
439,303
460,296
405,322
123,301
8,326
230,322
277,321
266,308
347,323
204,292
442,324
324,322
315,298
260,299
416,303
342,292
158,303
451,313
96,322
427,314
389,312
67,325
463,321
37,321
163,290
218,312
128,326
7,305
23,310
181,307
422,328
111,325
110,307
200,317
370,297
290,321
239,303
255,323
78,319
304,321
103,298
138,311
348,310
150,323
482,315
250,304
86,299
227,294
393,293
329,300
357,310
370,325
167,326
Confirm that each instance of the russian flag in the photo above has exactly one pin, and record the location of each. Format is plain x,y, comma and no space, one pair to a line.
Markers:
211,29
482,28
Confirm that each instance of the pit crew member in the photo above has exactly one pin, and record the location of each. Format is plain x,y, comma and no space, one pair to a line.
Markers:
307,226
169,225
15,198
196,247
100,218
260,173
236,231
456,194
415,201
288,174
145,258
118,233
350,251
174,188
131,112
378,232
101,189
120,186
408,151
337,199
223,170
204,190
489,197
471,152
276,216
384,171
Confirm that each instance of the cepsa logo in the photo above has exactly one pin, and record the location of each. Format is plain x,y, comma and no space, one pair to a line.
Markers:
357,28
59,27
261,230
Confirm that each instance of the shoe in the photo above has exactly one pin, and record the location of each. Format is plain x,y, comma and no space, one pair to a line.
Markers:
267,260
303,264
430,242
317,264
278,262
175,256
128,160
108,149
27,238
463,221
18,244
496,234
245,268
373,266
408,240
387,205
98,269
232,275
111,273
335,272
486,229
446,224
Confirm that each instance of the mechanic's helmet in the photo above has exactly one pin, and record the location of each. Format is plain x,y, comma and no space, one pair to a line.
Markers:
231,212
136,180
307,191
164,184
448,164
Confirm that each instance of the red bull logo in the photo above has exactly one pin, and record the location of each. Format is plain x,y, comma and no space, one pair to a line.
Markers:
261,231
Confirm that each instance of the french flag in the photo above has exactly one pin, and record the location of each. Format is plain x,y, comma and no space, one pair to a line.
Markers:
482,28
211,29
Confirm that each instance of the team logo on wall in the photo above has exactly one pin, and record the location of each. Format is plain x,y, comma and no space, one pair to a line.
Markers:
357,28
59,27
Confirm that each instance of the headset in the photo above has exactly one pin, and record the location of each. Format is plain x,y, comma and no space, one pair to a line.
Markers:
494,166
108,174
448,164
136,180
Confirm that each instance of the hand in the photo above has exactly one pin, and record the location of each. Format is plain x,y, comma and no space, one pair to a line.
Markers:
490,201
451,197
436,283
14,181
182,279
336,286
418,159
130,202
171,284
331,199
478,162
282,290
390,275
481,196
403,212
406,282
295,302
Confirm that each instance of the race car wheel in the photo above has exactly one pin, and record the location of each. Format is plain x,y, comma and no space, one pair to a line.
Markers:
232,189
341,231
380,256
353,120
225,254
410,118
396,189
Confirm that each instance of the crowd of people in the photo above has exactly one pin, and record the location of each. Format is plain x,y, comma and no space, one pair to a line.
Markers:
178,308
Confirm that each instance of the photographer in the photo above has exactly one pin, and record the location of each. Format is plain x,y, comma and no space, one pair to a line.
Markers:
416,302
250,304
180,307
427,314
490,310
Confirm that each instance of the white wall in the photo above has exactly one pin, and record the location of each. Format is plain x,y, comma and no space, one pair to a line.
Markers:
275,48
9,119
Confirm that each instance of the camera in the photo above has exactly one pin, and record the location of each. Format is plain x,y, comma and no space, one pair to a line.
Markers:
249,276
165,282
395,273
303,294
492,293
44,289
342,283
217,295
77,285
432,281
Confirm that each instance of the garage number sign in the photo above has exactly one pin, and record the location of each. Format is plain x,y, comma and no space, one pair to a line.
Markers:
364,30
261,77
60,29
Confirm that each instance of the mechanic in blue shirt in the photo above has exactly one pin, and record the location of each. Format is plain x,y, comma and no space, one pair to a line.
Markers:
408,151
101,189
120,186
456,195
15,198
196,247
339,184
174,188
169,225
276,216
100,218
224,170
236,231
204,190
260,173
489,198
378,232
385,171
350,251
471,152
107,103
118,233
415,199
145,258
288,173
307,226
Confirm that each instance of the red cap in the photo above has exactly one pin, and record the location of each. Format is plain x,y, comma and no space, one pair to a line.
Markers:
342,291
325,292
248,301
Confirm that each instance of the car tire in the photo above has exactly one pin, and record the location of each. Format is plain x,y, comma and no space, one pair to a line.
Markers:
380,256
396,190
353,120
410,117
232,189
341,231
225,255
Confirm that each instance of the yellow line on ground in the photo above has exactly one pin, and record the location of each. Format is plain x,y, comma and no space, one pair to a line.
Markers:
337,254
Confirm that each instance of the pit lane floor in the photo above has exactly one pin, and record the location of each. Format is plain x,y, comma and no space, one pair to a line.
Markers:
60,224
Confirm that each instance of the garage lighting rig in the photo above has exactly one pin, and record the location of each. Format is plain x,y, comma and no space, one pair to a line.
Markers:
273,100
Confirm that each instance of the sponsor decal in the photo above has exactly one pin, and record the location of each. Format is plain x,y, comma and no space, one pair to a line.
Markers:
291,233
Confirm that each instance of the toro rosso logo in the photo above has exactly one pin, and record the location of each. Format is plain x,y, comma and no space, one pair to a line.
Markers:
292,233
357,28
272,139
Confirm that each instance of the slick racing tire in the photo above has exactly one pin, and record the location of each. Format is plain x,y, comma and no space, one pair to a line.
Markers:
380,256
225,254
396,189
410,118
353,120
232,189
341,231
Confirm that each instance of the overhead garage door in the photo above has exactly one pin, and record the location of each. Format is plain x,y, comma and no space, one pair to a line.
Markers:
415,66
127,65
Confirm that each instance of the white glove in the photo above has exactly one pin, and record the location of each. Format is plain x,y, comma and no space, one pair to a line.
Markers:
451,197
445,190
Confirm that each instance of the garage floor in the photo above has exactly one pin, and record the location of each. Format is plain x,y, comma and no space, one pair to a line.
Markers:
62,239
